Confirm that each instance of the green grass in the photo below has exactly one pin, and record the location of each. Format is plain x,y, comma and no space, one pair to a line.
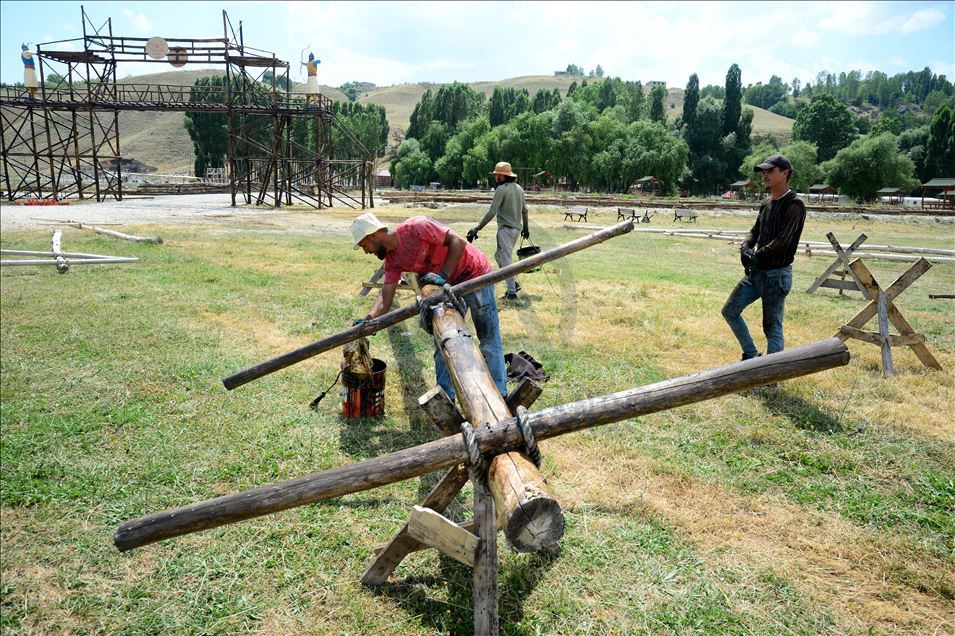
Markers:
827,506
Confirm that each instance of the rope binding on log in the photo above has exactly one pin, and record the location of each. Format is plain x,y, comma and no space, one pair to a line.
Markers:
426,306
527,432
478,467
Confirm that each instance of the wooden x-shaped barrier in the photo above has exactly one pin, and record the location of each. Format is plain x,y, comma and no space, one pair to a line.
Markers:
881,305
842,258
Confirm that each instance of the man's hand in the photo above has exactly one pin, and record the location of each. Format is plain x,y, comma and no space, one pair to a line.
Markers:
748,258
472,234
525,233
431,278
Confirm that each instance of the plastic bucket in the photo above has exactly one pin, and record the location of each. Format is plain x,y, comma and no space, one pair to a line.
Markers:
365,398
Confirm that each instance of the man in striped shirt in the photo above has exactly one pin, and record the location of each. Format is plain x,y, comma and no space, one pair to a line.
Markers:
767,254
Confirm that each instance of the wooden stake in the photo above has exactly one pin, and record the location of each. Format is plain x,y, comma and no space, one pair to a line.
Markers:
484,593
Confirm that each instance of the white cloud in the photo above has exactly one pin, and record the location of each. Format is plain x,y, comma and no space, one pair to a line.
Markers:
139,20
804,37
896,61
922,20
942,68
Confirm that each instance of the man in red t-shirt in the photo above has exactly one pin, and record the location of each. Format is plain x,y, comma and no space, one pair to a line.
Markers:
437,255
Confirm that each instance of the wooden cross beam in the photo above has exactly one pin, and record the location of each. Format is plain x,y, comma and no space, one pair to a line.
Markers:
881,305
842,258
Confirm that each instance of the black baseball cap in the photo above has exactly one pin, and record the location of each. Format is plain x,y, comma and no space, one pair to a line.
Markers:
774,161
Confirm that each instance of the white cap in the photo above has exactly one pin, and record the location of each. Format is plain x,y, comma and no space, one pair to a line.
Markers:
364,225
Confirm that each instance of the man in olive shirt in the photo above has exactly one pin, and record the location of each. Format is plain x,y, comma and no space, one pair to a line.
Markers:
767,255
511,212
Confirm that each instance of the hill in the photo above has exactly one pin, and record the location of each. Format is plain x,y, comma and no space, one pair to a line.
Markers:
160,140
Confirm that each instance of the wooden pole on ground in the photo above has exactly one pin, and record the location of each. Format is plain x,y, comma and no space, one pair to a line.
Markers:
450,451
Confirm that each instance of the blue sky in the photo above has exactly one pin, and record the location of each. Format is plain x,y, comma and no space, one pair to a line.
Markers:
397,42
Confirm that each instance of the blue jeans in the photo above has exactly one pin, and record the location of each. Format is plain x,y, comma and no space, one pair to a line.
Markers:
772,285
483,310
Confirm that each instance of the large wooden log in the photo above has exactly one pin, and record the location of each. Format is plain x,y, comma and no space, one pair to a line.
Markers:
399,315
532,518
449,451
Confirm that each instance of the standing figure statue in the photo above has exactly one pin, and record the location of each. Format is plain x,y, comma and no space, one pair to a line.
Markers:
311,85
29,70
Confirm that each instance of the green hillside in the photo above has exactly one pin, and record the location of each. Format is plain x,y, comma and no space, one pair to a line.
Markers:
160,140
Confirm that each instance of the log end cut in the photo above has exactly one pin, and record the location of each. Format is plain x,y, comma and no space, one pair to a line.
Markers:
536,526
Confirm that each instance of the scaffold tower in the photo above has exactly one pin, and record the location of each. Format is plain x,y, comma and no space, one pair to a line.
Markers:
66,142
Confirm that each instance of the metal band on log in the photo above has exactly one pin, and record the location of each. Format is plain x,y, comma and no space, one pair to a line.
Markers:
398,315
531,517
449,451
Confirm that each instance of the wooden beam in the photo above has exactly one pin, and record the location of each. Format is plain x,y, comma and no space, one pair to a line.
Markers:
442,534
388,558
441,411
524,395
484,596
533,520
887,368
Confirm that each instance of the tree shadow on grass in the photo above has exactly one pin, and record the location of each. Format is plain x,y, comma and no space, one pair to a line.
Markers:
802,413
454,615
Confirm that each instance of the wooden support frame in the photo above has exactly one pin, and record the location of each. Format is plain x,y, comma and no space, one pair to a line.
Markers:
842,259
882,305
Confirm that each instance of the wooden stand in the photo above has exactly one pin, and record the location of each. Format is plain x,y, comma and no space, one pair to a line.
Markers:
511,493
881,305
842,260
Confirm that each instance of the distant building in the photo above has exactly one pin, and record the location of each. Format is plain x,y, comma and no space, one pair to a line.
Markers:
653,83
560,73
383,178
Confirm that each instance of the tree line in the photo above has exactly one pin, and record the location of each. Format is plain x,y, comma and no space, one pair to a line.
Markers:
604,135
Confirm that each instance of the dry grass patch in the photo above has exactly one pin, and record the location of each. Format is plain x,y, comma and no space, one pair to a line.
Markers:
870,581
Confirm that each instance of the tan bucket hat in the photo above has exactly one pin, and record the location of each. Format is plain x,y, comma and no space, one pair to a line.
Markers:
364,225
504,168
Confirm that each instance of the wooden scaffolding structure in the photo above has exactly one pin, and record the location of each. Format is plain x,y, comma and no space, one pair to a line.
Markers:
67,143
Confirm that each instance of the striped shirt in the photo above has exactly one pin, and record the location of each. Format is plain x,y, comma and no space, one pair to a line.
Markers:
775,235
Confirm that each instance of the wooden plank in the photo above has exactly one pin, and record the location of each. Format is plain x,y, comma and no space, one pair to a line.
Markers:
849,285
859,334
403,544
468,525
844,260
377,276
441,411
836,263
524,395
442,534
485,583
910,276
887,369
126,237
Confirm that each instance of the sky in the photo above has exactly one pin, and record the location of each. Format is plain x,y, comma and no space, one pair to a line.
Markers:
391,43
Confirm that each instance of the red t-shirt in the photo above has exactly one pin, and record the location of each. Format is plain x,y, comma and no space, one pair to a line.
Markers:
421,250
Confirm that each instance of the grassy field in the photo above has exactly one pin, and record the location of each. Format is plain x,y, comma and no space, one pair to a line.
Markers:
827,506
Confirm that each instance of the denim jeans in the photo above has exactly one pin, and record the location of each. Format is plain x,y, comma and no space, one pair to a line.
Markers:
483,310
772,285
504,255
